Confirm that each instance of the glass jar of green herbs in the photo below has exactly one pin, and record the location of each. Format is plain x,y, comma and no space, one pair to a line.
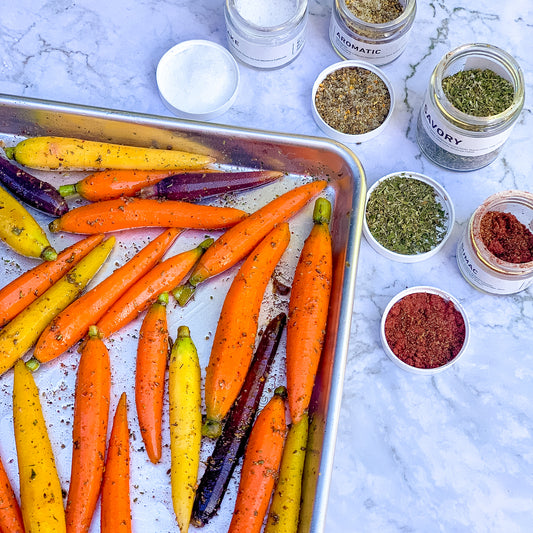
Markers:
475,96
408,217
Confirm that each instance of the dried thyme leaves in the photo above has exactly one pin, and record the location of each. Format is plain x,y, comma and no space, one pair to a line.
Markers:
353,100
404,215
375,11
481,93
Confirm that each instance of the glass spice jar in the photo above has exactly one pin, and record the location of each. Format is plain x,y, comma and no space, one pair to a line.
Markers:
454,139
478,265
266,35
378,43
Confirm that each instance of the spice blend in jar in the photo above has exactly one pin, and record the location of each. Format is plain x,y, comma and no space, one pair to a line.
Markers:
425,330
353,100
506,237
404,215
375,11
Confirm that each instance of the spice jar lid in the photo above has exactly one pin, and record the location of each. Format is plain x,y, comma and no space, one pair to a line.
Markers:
325,125
198,79
452,333
442,199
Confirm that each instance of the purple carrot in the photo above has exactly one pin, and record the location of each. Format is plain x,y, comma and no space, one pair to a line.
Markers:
232,442
192,186
32,190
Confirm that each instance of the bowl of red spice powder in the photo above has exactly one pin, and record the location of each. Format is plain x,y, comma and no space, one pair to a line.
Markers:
424,330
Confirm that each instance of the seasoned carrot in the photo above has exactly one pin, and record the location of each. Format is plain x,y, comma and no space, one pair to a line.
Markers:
260,466
19,335
89,432
65,153
73,323
18,294
308,311
163,277
128,213
284,512
41,499
109,184
152,355
10,514
238,241
234,340
116,506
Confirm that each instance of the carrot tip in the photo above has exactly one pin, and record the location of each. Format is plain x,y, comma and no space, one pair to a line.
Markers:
212,429
183,293
49,254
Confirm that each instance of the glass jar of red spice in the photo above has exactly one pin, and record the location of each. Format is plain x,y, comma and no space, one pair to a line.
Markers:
495,254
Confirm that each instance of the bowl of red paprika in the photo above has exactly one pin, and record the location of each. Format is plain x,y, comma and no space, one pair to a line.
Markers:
424,330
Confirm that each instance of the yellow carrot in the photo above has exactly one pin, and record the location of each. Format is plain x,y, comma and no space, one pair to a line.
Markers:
19,335
284,510
185,425
52,153
40,489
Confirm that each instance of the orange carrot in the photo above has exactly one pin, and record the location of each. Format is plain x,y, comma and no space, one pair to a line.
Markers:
308,311
18,294
163,277
260,466
152,355
128,213
10,514
238,241
89,432
72,324
116,507
234,340
109,184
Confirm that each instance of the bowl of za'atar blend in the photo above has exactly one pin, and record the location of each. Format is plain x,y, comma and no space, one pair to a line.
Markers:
424,330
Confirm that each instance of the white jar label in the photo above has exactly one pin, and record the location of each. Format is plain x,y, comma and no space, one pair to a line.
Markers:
450,139
350,47
476,274
265,55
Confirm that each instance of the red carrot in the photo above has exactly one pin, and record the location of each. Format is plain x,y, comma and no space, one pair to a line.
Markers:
18,294
73,323
152,355
116,506
260,467
308,311
89,432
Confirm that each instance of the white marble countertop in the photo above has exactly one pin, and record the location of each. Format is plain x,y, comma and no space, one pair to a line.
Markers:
449,453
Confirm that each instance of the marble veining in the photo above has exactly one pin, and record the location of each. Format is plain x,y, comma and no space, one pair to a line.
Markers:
451,453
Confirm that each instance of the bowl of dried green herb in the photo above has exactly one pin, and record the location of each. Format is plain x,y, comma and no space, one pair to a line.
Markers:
352,101
408,216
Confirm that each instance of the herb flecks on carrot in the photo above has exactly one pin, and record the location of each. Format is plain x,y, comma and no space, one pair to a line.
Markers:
234,340
10,514
308,311
152,356
238,241
128,213
260,466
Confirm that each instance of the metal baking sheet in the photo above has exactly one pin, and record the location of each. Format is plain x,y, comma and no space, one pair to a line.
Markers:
301,159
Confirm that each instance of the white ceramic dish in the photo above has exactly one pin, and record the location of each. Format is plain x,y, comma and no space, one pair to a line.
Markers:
397,360
198,79
336,134
442,197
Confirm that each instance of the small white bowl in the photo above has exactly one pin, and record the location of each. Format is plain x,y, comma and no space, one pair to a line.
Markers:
336,134
442,197
393,357
198,79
